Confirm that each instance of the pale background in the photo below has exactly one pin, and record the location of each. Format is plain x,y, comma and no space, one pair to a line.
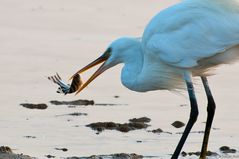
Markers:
41,37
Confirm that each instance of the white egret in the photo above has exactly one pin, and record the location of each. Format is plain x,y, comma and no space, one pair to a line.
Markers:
182,41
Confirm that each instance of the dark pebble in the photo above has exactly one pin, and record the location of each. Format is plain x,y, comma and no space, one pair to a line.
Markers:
194,153
99,129
62,149
78,157
6,152
74,114
50,156
209,153
123,128
126,127
178,124
227,149
184,154
107,104
34,106
183,105
74,103
137,125
5,149
224,148
157,130
113,156
30,137
141,120
78,114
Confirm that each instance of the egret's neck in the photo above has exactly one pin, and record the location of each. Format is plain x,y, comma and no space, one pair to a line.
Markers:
133,62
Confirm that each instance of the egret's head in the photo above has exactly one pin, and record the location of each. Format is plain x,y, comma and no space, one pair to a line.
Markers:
115,54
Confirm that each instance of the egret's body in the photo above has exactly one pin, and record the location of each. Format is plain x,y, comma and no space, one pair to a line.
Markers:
195,35
185,40
146,73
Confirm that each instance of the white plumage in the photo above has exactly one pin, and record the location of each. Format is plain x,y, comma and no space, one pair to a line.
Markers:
192,30
194,35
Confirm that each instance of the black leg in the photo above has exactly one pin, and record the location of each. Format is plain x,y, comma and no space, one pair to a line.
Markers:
211,111
192,118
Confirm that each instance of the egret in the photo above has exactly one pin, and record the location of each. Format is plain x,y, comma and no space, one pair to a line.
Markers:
185,40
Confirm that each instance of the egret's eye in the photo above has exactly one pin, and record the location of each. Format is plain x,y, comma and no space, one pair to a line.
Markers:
109,49
107,53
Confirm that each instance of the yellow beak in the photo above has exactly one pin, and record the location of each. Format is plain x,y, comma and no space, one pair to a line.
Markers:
101,69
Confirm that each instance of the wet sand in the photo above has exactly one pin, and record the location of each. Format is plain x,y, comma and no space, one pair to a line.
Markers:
41,37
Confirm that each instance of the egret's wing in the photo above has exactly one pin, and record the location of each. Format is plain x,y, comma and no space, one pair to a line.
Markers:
185,34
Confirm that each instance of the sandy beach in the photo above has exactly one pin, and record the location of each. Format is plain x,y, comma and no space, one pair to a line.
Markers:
40,37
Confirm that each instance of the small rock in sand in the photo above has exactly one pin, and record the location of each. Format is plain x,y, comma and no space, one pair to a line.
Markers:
5,149
184,154
157,130
6,153
126,127
112,156
30,137
108,104
75,102
142,120
62,149
50,156
209,153
178,124
78,114
34,106
74,114
227,149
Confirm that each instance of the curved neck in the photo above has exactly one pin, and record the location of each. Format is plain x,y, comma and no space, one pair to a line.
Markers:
133,63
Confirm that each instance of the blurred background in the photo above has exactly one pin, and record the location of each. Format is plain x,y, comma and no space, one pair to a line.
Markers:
41,37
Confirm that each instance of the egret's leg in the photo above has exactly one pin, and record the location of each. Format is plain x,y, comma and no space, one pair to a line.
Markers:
210,111
193,115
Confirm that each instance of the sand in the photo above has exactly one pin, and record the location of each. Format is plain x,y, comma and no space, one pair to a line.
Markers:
41,37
